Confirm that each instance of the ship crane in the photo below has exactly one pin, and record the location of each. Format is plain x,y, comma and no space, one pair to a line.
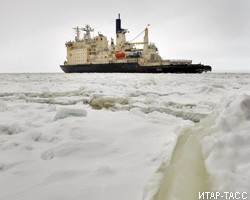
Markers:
145,42
137,43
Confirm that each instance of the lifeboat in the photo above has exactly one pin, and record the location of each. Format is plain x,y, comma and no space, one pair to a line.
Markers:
120,55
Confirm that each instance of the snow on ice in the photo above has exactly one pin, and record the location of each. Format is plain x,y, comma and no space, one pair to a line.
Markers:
211,156
67,112
115,136
227,150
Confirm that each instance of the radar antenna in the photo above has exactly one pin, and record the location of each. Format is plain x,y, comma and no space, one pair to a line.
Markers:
87,29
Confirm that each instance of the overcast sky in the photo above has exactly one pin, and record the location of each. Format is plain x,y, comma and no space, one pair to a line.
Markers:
214,32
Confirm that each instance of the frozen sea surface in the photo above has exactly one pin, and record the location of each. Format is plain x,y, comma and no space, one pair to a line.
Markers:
115,136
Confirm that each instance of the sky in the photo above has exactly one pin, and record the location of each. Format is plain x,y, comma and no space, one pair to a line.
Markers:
213,32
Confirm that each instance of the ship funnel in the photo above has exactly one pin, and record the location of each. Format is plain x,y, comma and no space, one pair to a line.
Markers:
118,25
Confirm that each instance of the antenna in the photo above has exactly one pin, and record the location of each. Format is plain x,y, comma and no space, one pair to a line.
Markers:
87,29
77,29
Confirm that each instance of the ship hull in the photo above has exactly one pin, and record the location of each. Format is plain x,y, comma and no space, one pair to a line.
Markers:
134,68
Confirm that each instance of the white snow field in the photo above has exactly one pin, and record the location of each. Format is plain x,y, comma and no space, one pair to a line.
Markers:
123,136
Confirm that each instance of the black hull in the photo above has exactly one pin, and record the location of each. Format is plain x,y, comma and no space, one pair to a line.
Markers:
134,68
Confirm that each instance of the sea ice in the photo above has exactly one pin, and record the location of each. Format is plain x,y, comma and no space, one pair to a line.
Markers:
215,153
227,150
3,106
70,112
48,144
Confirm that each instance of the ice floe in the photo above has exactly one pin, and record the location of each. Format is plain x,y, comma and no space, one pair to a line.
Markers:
109,136
69,112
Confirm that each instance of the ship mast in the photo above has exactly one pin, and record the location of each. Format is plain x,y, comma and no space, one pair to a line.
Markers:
87,29
77,38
